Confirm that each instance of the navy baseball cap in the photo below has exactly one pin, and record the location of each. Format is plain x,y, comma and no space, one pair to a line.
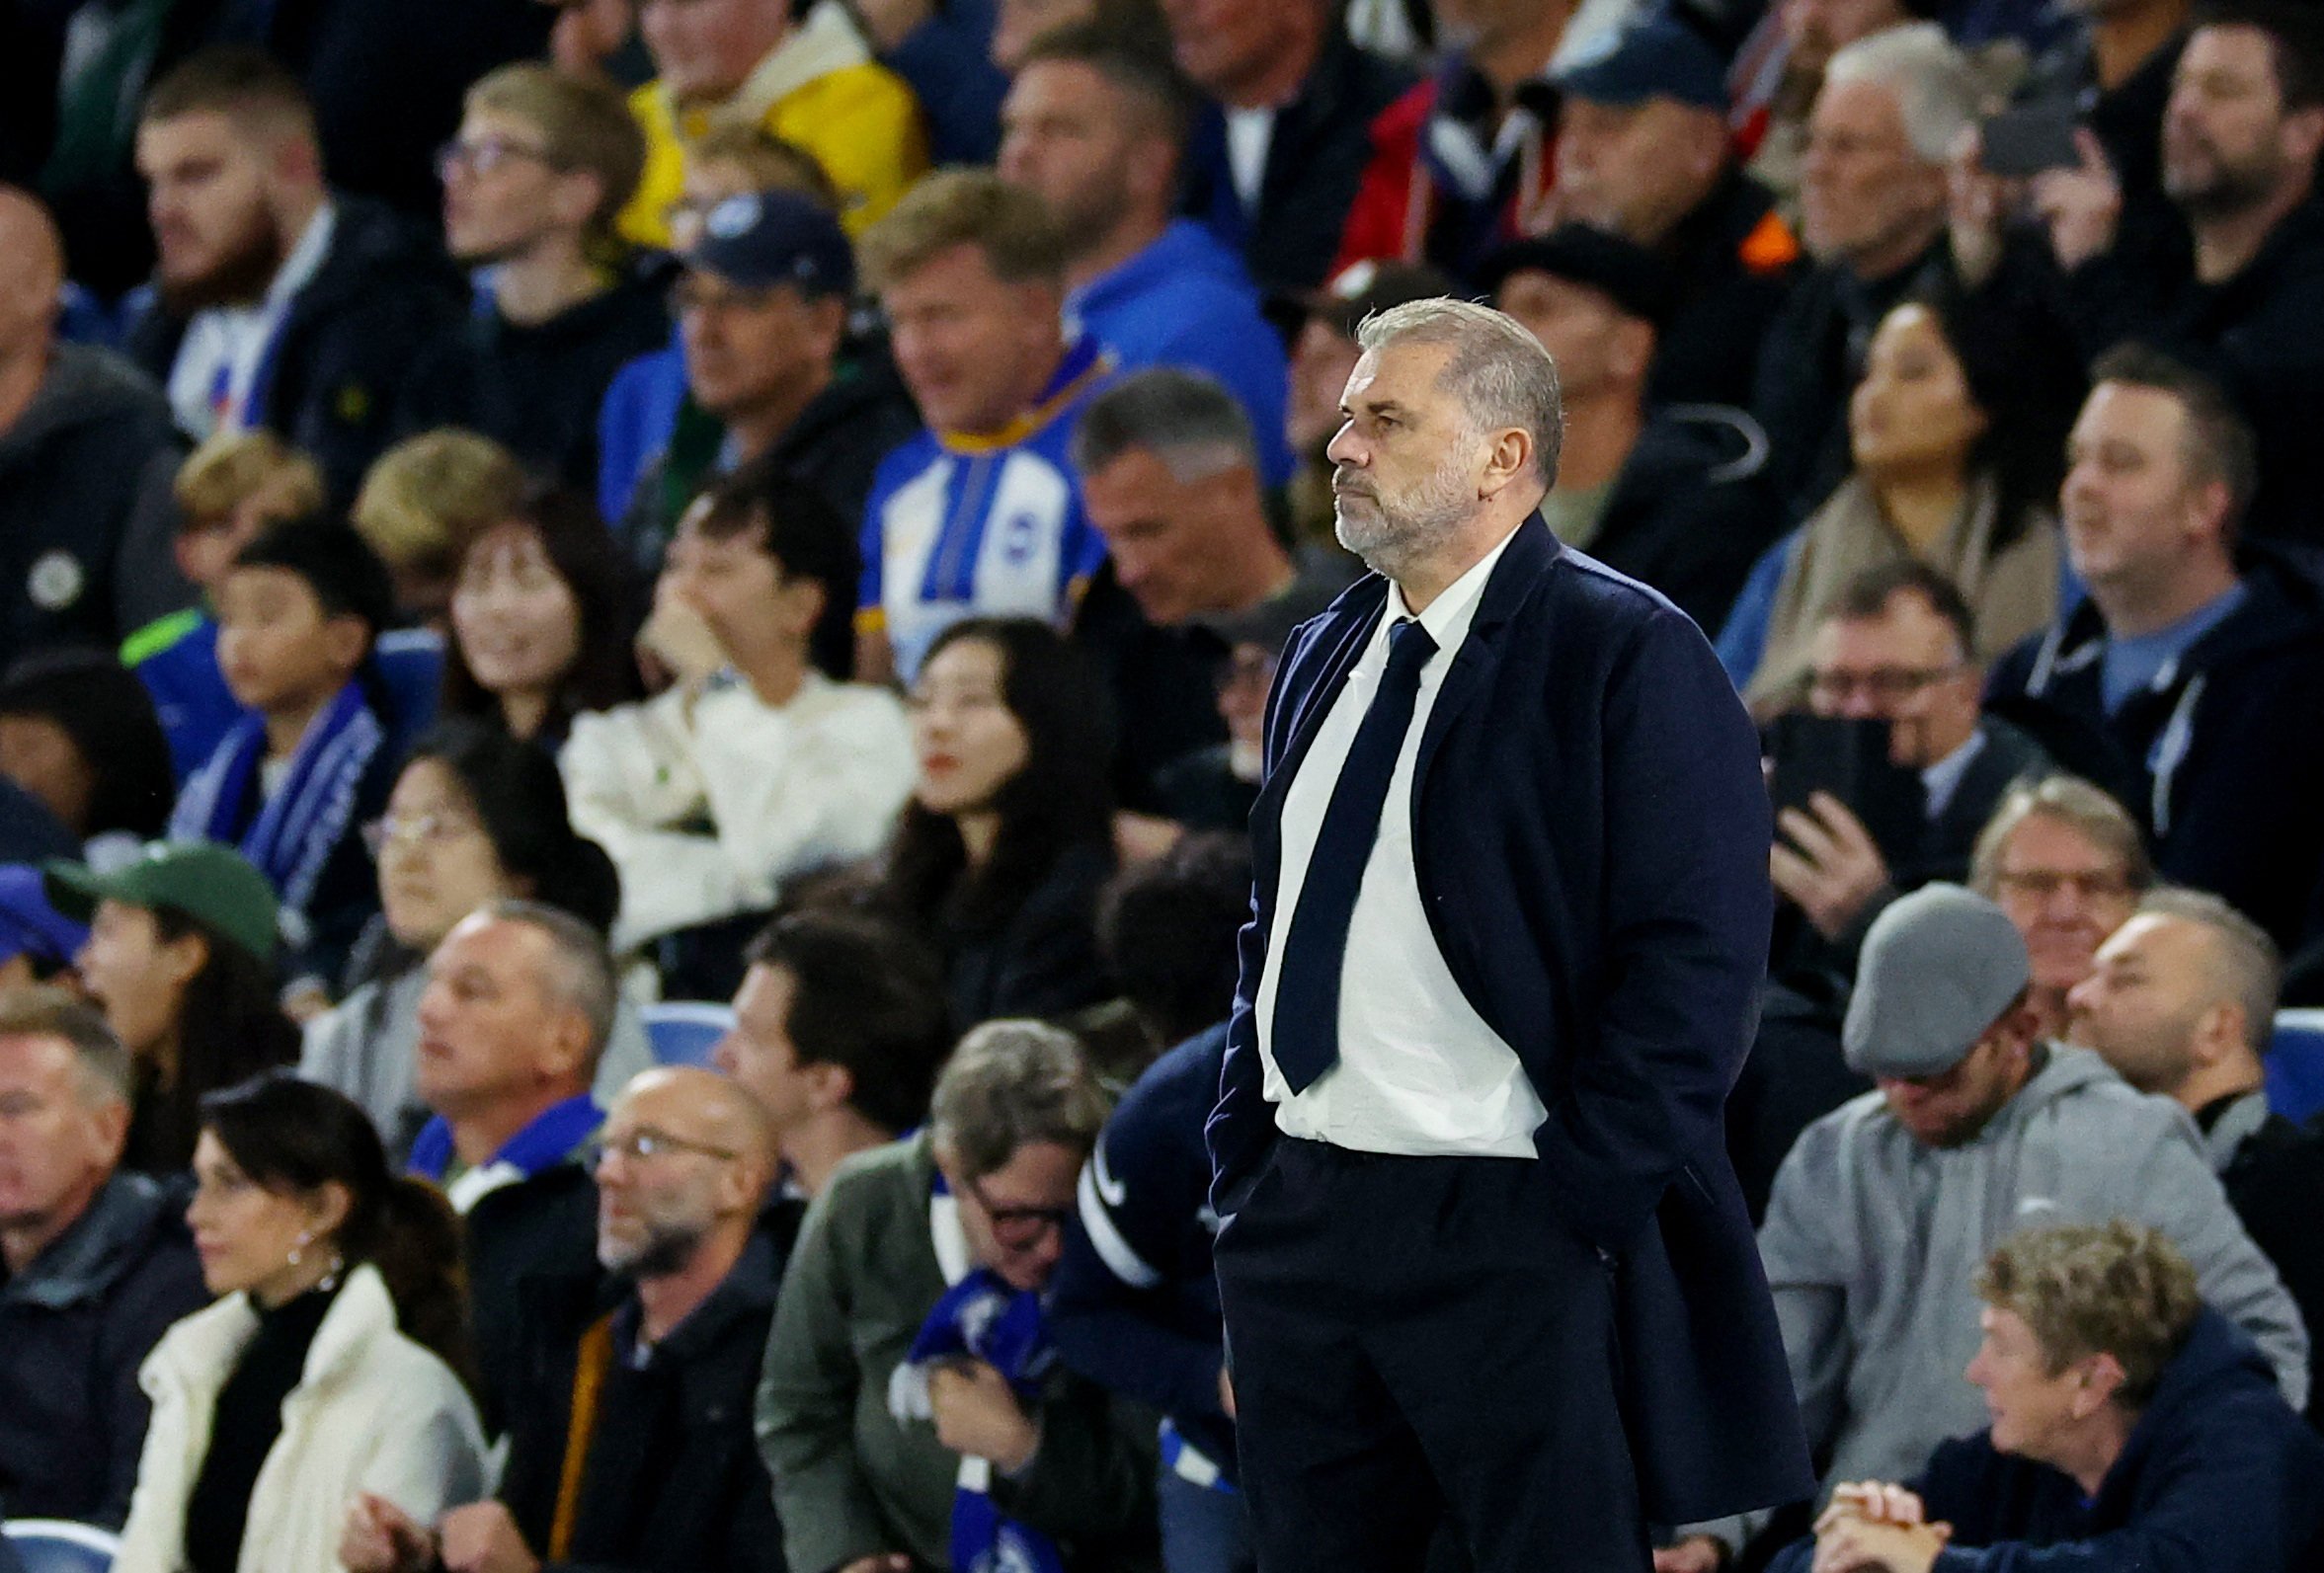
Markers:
776,238
1635,280
30,924
1652,57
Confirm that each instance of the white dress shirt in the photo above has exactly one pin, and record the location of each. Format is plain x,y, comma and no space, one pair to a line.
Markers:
1418,1070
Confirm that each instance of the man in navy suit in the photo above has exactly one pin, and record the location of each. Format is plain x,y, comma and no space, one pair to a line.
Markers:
1483,1257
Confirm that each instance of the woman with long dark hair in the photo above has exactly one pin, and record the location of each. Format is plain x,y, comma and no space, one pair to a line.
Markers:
542,613
334,1362
1955,465
1007,840
181,959
477,815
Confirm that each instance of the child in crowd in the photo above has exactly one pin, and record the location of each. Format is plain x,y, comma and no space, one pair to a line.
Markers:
293,784
423,503
228,489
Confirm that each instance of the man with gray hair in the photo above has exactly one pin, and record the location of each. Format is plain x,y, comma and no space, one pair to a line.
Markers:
2183,1004
1196,572
1509,922
519,1004
1873,215
877,1447
95,1265
1884,1209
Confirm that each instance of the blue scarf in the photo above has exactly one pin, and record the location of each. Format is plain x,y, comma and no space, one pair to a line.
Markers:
547,1139
981,1317
299,827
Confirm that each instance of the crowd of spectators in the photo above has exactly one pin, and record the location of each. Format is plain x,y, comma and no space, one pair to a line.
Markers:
516,517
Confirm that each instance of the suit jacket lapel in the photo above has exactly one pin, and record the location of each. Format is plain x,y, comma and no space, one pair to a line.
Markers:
1529,553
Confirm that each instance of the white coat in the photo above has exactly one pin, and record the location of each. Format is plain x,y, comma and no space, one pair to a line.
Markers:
373,1411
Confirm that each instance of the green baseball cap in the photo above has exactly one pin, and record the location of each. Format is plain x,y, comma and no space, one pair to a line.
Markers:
212,884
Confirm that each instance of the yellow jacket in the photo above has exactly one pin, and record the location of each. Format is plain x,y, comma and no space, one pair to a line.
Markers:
821,89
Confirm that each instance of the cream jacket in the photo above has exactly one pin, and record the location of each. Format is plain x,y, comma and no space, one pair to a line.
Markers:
373,1412
708,802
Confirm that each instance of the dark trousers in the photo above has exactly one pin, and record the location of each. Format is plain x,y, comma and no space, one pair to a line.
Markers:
1422,1339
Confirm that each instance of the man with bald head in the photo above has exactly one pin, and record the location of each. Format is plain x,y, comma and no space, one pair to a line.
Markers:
86,445
629,1432
2181,1003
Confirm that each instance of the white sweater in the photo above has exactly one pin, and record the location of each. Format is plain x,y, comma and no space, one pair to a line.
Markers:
372,1412
707,804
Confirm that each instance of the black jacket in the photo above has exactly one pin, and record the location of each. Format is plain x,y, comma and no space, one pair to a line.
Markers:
1736,259
835,446
1316,160
2276,1184
2261,333
2217,1476
2223,760
1042,960
346,345
1590,832
673,1481
541,1228
74,1327
1687,515
85,517
536,390
1809,366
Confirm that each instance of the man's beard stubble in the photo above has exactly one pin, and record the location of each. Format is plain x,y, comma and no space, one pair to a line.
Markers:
238,277
1391,535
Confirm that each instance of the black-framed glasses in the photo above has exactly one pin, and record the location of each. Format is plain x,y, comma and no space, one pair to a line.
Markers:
647,1144
1019,1227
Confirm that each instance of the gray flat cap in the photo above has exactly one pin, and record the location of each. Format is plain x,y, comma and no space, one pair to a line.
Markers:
1939,967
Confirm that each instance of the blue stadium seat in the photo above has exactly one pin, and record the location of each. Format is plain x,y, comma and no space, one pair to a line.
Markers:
685,1031
2295,1065
53,1545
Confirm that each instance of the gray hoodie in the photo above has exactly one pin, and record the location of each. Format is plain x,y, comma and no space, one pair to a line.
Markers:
86,513
1872,1243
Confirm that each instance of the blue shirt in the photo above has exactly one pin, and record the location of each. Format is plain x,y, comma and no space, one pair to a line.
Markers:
635,422
2147,660
986,526
1186,300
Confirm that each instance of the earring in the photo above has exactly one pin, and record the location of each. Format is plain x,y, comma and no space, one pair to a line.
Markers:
306,1237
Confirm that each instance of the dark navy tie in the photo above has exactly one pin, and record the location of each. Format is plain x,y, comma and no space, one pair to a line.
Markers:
1306,1038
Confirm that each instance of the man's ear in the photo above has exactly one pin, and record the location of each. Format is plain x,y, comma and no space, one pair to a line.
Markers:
1508,460
2102,1377
829,1086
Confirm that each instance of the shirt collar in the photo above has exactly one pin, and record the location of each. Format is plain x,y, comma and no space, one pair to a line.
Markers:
306,259
1940,780
1448,618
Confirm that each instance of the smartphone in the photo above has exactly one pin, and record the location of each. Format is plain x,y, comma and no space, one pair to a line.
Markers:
2026,141
1850,760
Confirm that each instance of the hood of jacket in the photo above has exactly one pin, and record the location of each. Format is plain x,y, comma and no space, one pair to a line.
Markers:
127,1217
84,385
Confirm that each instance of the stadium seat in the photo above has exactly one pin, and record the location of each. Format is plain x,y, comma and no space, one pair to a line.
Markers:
685,1031
55,1545
2295,1065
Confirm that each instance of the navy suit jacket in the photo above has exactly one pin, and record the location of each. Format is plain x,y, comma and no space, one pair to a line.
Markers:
1592,834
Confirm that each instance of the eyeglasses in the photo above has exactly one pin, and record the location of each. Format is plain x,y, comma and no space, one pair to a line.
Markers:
418,829
2041,884
485,156
1018,1227
1884,685
646,1143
